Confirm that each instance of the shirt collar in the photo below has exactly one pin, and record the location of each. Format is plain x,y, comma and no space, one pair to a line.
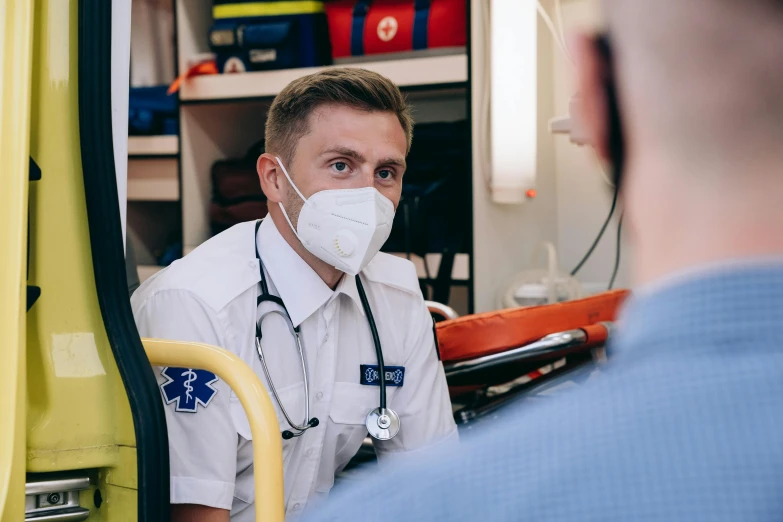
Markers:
697,272
348,287
297,284
728,300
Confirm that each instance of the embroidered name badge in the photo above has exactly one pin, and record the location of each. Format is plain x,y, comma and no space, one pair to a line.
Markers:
187,388
395,375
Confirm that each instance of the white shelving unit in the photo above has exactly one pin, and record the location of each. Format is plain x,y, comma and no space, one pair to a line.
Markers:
410,72
154,210
153,146
153,179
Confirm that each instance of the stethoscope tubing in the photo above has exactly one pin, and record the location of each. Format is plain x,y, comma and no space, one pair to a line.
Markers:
306,424
267,296
375,339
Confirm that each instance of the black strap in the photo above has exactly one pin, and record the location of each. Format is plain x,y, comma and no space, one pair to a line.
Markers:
420,23
360,11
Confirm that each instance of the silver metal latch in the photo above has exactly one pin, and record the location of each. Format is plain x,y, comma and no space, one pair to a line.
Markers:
49,499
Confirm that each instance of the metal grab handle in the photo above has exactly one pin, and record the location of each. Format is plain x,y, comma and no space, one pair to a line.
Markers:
442,310
267,444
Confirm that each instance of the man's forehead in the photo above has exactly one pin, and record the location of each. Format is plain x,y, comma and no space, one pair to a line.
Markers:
356,133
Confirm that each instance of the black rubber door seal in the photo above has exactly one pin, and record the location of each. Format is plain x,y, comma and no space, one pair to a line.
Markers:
106,243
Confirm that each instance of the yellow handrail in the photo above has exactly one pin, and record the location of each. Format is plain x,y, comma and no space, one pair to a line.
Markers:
267,443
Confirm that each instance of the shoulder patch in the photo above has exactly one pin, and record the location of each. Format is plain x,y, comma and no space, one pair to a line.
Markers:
187,388
396,272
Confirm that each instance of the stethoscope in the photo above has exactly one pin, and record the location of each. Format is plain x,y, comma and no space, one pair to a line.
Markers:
382,423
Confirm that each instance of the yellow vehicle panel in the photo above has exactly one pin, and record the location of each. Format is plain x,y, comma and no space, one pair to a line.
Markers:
78,413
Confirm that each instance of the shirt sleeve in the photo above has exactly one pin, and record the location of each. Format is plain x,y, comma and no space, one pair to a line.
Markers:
202,437
423,401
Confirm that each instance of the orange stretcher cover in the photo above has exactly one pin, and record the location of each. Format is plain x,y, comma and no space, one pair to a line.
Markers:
494,332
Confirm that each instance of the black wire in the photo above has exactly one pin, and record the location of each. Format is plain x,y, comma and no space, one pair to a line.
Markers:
375,339
617,252
600,235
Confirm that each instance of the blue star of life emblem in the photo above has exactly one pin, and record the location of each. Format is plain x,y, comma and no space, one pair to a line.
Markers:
188,388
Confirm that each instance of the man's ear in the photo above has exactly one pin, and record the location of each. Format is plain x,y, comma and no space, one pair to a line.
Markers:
269,174
593,106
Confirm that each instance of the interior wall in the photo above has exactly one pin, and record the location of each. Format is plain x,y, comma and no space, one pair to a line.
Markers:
583,197
152,43
506,236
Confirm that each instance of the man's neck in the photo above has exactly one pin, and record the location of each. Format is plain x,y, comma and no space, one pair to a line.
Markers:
328,274
679,223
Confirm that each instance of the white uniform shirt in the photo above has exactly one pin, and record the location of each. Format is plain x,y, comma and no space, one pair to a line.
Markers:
210,296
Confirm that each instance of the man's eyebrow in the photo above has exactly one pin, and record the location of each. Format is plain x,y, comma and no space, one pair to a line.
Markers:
399,162
350,153
345,151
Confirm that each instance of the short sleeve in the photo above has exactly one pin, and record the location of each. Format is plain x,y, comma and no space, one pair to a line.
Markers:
202,437
423,402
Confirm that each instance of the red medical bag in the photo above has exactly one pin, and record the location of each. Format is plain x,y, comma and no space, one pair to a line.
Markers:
362,27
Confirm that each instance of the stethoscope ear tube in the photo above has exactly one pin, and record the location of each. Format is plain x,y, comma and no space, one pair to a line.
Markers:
288,434
264,297
300,428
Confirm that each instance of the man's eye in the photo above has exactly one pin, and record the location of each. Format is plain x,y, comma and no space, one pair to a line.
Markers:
341,166
386,174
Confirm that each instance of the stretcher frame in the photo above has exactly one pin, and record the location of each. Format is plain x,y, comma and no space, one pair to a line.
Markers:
492,358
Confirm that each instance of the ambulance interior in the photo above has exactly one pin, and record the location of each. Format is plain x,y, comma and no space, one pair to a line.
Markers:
508,215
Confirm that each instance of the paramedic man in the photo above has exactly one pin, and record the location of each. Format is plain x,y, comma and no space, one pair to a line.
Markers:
339,129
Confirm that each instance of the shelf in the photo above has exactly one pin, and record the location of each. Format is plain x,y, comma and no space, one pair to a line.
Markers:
153,180
410,72
147,271
459,272
153,146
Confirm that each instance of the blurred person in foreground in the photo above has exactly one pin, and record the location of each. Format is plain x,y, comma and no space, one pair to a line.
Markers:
686,422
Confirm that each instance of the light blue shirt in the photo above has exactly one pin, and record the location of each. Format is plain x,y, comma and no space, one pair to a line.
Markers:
685,423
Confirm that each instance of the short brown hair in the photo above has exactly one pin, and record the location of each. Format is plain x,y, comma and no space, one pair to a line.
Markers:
357,88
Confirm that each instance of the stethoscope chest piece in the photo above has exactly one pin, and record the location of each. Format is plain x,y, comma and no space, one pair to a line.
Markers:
382,423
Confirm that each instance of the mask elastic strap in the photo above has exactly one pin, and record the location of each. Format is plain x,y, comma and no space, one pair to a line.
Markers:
279,162
285,214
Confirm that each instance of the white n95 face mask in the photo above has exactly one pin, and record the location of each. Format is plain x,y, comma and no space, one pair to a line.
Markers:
344,228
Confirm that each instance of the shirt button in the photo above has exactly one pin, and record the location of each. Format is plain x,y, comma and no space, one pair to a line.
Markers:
296,507
310,452
319,396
